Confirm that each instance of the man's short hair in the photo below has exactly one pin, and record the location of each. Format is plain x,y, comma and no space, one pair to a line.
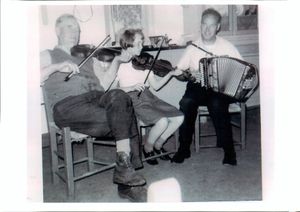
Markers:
211,11
63,17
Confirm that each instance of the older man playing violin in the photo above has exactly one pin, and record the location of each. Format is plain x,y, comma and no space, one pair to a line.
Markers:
83,104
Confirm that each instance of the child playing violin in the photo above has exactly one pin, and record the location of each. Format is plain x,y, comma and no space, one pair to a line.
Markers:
148,108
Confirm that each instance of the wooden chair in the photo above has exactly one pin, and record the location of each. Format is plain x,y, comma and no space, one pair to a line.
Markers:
234,108
65,138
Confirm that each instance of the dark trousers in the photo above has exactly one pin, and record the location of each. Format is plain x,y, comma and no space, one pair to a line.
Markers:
217,105
98,114
101,114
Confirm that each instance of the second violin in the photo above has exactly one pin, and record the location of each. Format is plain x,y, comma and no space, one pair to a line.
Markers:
160,68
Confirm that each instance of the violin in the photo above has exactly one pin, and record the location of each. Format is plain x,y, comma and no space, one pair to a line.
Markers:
102,54
160,68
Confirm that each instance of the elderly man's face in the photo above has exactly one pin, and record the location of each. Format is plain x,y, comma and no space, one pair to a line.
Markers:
69,32
209,28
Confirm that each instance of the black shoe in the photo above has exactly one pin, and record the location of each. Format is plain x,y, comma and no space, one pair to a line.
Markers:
134,194
180,156
124,172
230,159
161,151
150,154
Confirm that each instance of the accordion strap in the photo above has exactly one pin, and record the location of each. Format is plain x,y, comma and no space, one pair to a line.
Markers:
198,47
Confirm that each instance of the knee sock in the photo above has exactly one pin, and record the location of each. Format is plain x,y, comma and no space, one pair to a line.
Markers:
148,147
159,143
123,146
173,124
155,132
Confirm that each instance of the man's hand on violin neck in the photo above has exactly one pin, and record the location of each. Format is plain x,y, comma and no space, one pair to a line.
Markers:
69,66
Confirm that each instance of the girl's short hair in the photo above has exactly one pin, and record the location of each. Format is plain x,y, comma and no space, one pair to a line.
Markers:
128,36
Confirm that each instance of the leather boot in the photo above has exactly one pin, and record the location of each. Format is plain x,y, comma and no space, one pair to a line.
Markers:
124,172
134,194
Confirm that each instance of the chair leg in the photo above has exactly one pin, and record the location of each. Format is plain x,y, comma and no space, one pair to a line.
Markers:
90,153
54,158
68,155
176,134
243,125
197,134
142,131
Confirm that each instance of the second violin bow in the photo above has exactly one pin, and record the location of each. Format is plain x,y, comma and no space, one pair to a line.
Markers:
153,62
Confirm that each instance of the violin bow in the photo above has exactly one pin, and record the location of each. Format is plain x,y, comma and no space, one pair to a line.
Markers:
153,62
88,57
198,47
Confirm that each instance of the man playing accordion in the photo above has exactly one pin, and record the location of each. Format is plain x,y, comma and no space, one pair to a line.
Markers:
207,45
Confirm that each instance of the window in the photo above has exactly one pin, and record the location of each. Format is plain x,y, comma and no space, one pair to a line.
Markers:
120,17
236,19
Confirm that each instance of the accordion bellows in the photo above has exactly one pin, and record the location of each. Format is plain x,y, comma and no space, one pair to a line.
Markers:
230,76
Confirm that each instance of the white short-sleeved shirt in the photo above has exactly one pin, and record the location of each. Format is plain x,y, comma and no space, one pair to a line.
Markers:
128,76
192,55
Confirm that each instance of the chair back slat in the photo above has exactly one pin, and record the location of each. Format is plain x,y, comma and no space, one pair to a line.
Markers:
48,109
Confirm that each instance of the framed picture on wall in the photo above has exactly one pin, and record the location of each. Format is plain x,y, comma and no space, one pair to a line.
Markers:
121,17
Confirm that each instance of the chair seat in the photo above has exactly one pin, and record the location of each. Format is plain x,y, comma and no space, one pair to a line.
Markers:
76,136
233,108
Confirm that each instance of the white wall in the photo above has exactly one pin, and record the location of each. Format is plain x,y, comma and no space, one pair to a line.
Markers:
92,23
166,19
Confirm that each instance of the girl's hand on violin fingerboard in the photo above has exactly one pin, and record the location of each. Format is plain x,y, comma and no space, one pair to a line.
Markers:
176,72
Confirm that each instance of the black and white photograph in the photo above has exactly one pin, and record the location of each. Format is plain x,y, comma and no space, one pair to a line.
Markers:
123,105
165,107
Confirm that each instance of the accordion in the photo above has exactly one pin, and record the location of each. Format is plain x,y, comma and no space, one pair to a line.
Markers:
230,76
